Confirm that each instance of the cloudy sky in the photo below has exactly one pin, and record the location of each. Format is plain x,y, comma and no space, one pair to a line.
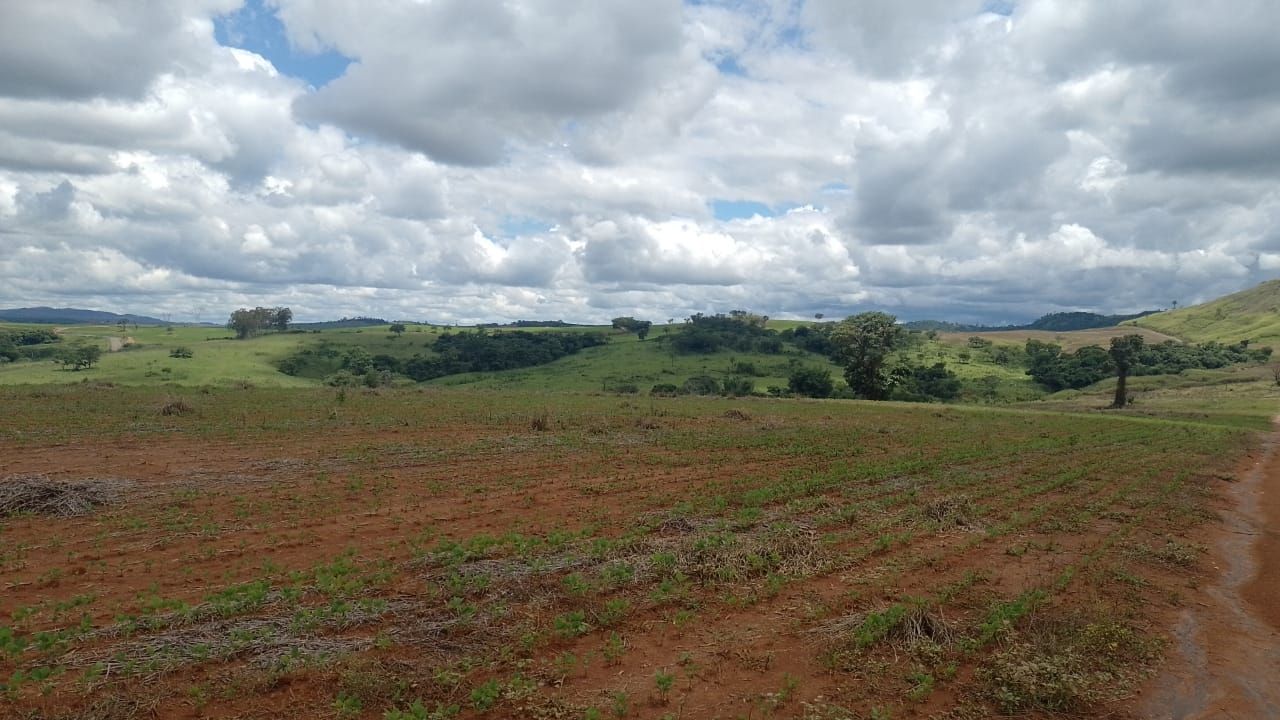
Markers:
479,160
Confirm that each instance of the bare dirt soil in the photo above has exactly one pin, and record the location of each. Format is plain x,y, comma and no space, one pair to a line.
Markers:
771,561
1227,659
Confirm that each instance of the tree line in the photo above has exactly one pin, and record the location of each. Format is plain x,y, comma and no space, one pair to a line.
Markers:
451,354
1057,370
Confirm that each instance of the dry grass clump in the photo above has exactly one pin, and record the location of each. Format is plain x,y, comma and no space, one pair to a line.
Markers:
1174,553
903,625
41,495
1067,665
956,511
264,642
177,406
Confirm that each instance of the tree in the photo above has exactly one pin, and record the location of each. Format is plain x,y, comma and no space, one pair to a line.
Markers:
280,318
630,324
864,343
1124,354
79,357
246,323
397,328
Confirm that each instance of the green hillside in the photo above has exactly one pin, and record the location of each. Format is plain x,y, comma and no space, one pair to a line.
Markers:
1252,315
142,357
991,366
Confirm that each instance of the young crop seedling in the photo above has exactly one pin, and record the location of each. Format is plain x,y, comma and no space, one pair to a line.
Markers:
664,681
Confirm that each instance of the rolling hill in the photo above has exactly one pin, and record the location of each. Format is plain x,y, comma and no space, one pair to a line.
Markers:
1252,315
72,316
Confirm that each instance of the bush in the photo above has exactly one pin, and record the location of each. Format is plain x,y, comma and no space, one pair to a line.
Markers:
923,384
183,353
343,378
702,385
737,386
811,382
664,389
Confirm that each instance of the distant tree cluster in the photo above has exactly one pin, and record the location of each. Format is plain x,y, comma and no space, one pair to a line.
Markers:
1057,370
487,352
630,324
247,323
811,338
739,330
27,344
453,353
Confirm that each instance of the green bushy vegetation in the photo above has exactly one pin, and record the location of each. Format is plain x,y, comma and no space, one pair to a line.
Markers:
1056,370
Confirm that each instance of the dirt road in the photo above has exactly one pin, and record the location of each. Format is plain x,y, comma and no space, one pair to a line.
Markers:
1227,656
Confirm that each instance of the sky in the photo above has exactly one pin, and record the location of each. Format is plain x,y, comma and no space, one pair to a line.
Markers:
478,161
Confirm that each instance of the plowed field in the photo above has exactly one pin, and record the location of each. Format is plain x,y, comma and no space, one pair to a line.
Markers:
431,554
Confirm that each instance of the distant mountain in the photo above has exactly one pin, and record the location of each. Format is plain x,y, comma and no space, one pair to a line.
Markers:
73,316
532,324
1066,321
355,322
1252,315
943,326
1053,322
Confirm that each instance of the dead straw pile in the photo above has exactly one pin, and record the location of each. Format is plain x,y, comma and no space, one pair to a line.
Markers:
41,495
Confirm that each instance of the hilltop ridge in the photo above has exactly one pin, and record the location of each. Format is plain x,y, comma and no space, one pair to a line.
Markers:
1252,314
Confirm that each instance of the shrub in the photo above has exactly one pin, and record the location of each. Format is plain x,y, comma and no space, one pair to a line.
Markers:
183,353
702,385
737,386
811,382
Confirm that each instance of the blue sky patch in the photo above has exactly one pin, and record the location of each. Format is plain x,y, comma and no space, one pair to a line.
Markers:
256,28
1000,7
726,210
728,65
514,226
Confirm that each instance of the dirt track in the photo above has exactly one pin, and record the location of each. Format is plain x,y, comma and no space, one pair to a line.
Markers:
1227,657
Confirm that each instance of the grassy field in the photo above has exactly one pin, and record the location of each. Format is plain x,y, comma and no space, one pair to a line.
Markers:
1253,315
434,552
217,359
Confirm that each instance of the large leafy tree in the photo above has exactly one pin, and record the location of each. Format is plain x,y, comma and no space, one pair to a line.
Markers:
864,343
246,322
